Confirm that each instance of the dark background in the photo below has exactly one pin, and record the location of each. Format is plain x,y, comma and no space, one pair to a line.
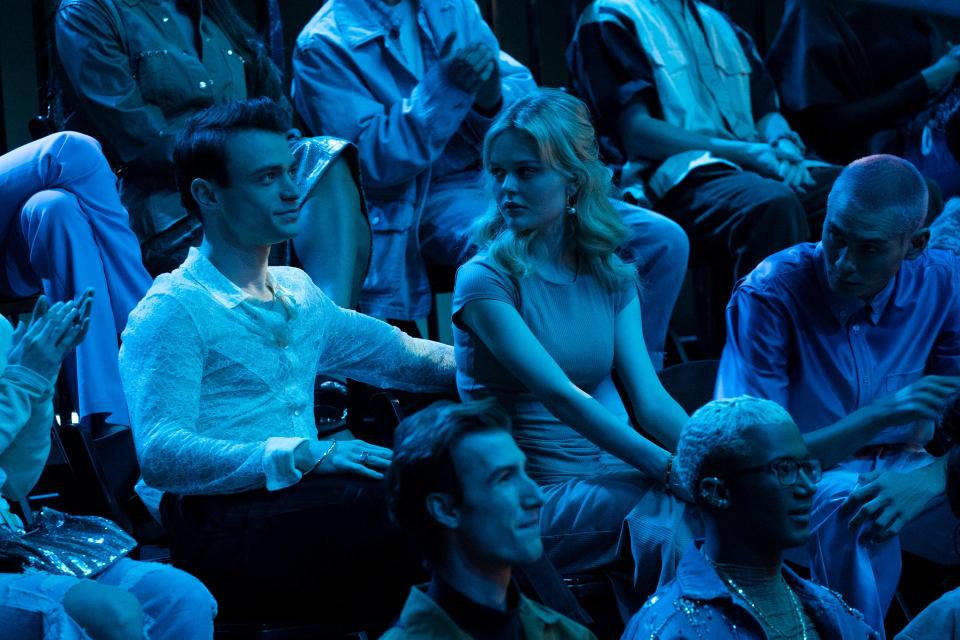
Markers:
534,31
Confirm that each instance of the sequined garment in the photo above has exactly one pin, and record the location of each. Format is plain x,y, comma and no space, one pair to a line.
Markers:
697,604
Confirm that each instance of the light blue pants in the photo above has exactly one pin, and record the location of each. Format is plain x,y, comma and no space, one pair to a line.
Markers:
939,621
176,605
866,574
63,229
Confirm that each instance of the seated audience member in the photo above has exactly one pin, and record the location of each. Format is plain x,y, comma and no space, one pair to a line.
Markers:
417,98
459,488
127,601
64,231
542,315
218,363
857,80
748,469
137,70
843,334
683,99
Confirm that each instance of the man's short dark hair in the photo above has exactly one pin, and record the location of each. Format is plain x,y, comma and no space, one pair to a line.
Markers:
200,150
423,462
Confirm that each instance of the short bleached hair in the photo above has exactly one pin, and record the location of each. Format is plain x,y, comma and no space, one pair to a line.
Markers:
717,434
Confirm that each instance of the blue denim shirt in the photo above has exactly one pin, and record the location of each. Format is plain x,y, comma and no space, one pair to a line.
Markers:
697,604
822,356
351,80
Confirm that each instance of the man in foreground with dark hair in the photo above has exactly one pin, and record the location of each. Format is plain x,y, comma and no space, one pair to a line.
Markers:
458,487
218,365
748,469
858,337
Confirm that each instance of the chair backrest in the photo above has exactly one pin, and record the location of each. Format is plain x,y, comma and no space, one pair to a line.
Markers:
691,383
105,470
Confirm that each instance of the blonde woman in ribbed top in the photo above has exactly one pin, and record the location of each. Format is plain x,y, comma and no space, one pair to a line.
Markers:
542,316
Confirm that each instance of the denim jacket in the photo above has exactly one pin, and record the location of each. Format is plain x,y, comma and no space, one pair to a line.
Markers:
697,604
351,81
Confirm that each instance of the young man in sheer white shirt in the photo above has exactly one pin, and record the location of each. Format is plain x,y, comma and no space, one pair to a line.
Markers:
218,365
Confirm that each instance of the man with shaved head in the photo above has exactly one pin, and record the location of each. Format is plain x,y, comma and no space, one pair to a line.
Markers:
858,337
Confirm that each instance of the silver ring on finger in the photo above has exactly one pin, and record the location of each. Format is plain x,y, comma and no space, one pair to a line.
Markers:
363,457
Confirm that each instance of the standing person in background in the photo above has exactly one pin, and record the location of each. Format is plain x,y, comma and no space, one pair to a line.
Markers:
415,85
136,70
542,316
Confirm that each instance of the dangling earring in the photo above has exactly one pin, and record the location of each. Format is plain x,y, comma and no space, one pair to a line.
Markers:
571,210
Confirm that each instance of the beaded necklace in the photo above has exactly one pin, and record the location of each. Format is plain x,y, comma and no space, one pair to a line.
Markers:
766,621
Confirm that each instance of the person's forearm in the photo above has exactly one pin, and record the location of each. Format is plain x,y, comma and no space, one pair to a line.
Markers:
662,418
647,137
847,121
840,440
595,423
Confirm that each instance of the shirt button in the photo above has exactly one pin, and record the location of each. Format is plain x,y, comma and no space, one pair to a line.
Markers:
166,19
856,327
374,219
229,52
296,412
203,85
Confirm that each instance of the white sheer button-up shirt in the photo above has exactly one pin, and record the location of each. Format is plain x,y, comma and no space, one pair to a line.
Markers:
220,386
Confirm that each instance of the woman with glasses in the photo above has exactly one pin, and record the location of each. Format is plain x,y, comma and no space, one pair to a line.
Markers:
542,316
748,469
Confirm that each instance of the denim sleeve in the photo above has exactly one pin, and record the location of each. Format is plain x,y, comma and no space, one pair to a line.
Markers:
754,360
397,141
97,67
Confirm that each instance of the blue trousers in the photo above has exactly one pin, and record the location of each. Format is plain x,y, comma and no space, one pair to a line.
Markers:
63,229
658,246
866,574
176,605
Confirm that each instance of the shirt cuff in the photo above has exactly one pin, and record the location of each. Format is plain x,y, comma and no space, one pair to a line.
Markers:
29,379
278,462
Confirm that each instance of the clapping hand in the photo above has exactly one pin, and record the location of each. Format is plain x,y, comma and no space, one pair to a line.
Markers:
51,333
473,69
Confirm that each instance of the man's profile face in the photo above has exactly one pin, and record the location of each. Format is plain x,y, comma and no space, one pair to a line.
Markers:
862,251
760,505
260,203
500,511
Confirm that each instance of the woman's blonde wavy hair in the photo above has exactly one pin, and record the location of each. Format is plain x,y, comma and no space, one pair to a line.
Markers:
560,126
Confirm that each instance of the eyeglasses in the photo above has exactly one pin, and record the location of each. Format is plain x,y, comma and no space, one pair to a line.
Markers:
787,470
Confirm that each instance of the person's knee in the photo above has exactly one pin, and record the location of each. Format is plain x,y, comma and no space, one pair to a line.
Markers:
671,239
169,592
47,214
105,612
80,149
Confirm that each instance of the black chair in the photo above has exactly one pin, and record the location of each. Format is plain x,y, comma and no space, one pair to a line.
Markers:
691,383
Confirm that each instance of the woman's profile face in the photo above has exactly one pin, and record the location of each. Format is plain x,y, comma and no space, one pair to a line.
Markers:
530,195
